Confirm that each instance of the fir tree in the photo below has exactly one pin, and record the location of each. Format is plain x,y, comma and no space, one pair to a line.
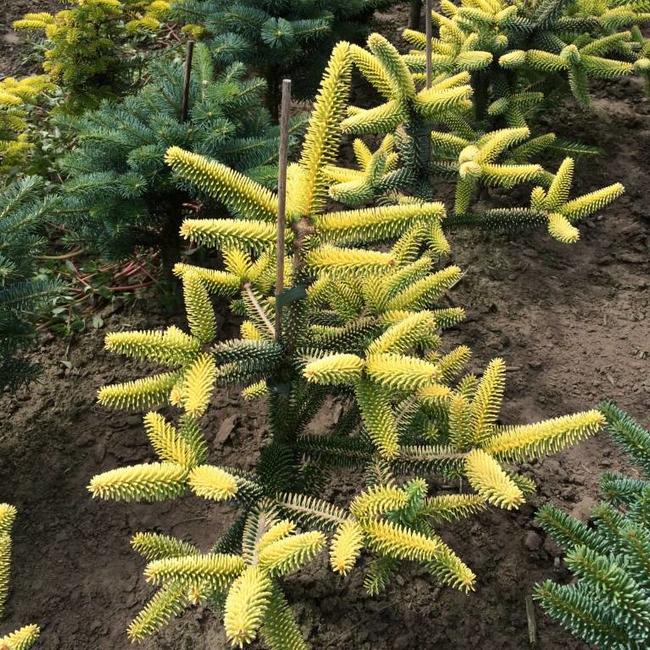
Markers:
87,44
22,294
459,149
291,37
25,637
118,192
509,47
360,323
608,602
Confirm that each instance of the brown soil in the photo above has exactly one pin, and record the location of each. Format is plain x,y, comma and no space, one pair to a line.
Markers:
570,321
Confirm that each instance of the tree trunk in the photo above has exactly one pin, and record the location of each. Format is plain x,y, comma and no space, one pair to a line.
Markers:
170,252
480,84
273,92
414,16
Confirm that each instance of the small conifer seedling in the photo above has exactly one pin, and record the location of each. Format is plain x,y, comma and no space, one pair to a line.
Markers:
87,43
360,324
507,47
292,37
17,98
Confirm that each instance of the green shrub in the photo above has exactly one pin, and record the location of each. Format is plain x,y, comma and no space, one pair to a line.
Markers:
22,294
413,152
608,601
360,325
119,194
278,38
86,46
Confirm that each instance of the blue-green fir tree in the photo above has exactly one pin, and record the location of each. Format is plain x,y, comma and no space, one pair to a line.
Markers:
22,293
120,195
279,37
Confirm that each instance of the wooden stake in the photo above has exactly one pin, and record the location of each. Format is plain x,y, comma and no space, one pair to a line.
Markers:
429,34
187,74
285,105
532,623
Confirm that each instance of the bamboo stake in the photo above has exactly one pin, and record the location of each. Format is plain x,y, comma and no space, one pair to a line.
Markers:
187,73
429,34
285,105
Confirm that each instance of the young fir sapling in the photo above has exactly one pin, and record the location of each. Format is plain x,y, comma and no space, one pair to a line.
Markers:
292,37
361,325
608,602
413,152
18,97
511,49
87,45
119,194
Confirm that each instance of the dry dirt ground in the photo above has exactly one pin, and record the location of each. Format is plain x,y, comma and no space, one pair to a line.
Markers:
570,321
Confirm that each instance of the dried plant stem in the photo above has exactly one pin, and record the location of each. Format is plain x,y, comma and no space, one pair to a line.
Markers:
532,622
